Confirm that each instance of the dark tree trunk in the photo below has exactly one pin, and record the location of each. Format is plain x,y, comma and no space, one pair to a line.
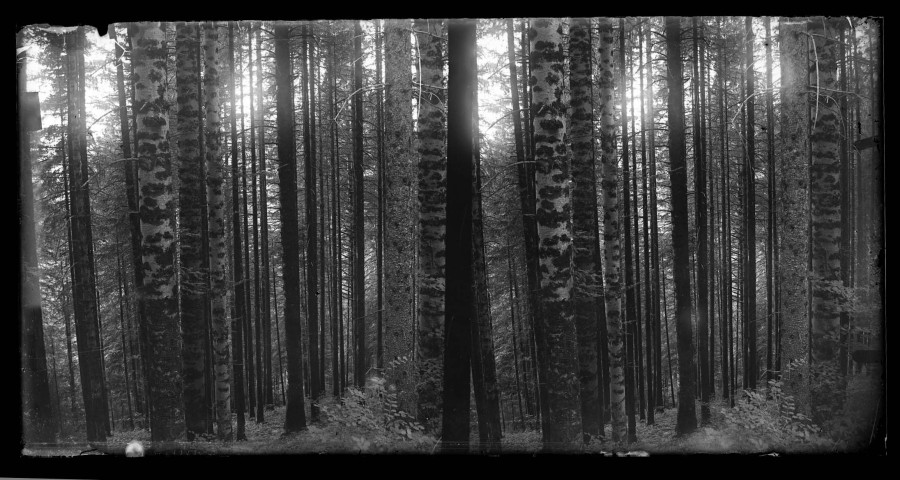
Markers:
584,225
295,416
750,208
460,305
700,197
312,269
87,322
359,250
237,334
687,418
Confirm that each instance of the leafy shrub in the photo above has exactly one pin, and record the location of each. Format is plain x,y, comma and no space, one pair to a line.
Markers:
376,410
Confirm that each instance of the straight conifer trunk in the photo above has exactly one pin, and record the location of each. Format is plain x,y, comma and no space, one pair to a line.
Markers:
687,418
295,416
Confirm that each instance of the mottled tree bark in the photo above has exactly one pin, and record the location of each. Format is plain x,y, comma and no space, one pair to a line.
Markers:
584,224
216,199
191,197
825,223
554,221
158,230
793,190
432,223
612,249
398,186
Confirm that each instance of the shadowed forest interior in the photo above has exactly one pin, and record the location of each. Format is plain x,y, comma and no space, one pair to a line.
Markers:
659,234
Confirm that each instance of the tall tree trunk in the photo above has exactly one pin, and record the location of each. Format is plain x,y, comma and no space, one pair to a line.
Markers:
525,184
825,218
216,199
554,225
794,200
247,316
654,223
259,300
398,186
87,322
40,425
612,248
630,307
295,416
648,285
750,208
359,245
770,218
484,370
190,193
379,237
432,222
122,334
239,295
584,225
700,207
335,213
264,229
312,269
687,418
157,227
460,306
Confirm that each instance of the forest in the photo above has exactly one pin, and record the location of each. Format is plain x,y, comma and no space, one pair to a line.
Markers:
617,236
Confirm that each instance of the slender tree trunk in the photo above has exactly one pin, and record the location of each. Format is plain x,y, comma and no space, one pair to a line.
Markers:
335,213
630,307
513,300
122,334
654,223
770,218
359,252
648,285
750,206
612,248
484,370
217,251
379,237
295,416
312,270
264,231
237,333
700,198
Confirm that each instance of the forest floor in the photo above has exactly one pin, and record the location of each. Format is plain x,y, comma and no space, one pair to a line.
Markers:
757,425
